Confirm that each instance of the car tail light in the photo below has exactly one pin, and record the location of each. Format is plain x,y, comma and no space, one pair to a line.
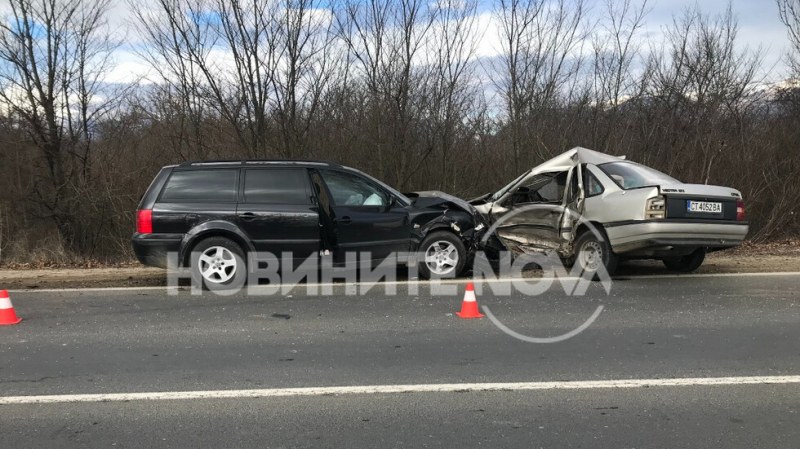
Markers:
739,210
655,208
144,221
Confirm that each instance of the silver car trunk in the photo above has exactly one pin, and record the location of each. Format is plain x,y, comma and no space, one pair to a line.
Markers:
681,198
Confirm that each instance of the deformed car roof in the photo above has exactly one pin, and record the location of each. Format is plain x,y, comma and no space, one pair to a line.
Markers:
575,156
562,162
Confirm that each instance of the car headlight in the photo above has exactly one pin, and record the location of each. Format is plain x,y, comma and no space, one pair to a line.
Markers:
655,208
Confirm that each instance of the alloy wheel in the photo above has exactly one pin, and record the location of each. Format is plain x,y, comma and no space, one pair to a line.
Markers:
217,264
441,257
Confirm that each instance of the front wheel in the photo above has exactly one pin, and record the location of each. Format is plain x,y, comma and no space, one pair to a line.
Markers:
687,264
218,263
594,255
443,256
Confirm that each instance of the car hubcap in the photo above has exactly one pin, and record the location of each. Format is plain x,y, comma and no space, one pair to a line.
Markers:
591,256
441,257
217,264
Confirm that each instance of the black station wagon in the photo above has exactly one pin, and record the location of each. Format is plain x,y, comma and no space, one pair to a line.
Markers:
210,215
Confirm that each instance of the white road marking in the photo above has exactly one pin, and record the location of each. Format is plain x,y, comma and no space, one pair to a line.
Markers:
392,389
414,282
710,275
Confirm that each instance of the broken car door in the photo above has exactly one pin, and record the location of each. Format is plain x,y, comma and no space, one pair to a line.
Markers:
573,210
529,218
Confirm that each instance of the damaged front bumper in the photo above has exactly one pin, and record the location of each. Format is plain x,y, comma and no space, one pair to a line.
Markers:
435,211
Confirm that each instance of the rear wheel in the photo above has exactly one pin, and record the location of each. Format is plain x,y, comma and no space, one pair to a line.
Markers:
688,263
442,255
594,255
218,263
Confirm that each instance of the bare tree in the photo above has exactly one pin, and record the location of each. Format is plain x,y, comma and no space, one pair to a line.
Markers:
188,44
386,39
309,59
53,56
248,62
540,40
789,11
702,82
171,51
451,95
615,80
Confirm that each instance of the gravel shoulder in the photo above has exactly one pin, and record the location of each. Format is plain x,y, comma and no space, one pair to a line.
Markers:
750,258
82,277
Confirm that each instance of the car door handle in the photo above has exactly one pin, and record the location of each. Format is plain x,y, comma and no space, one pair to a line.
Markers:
344,220
247,216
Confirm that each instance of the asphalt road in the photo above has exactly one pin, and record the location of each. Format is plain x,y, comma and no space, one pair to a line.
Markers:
146,341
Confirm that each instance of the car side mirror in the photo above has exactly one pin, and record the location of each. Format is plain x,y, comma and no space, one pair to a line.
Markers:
390,202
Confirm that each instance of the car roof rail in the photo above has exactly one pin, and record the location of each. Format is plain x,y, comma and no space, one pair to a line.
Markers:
204,163
256,162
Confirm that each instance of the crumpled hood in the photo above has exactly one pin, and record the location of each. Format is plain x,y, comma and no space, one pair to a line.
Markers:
430,198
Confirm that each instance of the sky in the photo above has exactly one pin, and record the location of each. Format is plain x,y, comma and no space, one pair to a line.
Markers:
759,24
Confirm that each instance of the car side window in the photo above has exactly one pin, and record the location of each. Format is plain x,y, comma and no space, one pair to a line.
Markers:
194,186
276,186
348,189
542,188
591,185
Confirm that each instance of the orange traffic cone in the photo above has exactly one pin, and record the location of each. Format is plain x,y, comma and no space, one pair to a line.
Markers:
469,307
7,314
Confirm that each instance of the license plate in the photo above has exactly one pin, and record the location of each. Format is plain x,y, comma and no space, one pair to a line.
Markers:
705,207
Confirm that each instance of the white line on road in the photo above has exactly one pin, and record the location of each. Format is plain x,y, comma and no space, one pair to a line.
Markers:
709,275
415,282
389,389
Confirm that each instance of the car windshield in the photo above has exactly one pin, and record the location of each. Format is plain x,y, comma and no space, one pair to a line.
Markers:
630,175
499,194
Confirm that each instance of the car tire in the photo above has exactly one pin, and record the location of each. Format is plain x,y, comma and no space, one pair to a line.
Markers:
592,251
688,263
218,264
441,255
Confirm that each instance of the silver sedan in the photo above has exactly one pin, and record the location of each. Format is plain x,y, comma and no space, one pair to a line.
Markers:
595,209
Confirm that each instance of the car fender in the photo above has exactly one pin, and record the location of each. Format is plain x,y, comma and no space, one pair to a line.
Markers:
220,228
458,222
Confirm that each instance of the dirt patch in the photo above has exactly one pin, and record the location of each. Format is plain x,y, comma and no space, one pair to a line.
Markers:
781,256
720,263
749,258
82,277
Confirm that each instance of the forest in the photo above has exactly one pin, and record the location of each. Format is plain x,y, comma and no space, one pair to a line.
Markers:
404,90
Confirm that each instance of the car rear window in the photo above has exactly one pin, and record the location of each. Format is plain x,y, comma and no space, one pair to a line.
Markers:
276,186
630,175
211,186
